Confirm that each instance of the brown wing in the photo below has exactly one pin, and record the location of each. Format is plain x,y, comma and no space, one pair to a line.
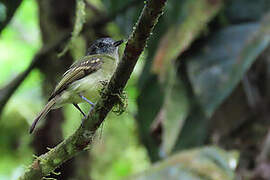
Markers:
78,70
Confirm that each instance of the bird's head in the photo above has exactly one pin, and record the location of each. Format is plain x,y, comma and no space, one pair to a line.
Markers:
104,46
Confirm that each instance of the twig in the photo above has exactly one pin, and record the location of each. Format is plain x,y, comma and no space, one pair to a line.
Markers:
77,142
7,91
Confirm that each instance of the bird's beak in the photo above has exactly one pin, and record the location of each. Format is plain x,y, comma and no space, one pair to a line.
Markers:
117,43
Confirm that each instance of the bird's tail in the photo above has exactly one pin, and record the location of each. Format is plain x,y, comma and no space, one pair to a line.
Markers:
43,113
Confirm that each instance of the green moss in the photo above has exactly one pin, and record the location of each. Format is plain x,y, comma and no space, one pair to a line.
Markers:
57,161
122,104
70,148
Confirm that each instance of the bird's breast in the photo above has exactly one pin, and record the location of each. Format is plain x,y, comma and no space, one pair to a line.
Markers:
89,86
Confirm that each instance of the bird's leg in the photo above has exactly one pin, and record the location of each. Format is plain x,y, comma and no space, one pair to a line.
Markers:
78,107
91,108
89,102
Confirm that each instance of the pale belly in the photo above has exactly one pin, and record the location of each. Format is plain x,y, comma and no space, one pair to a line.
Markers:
89,87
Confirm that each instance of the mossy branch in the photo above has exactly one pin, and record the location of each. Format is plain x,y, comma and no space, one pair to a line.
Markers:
78,142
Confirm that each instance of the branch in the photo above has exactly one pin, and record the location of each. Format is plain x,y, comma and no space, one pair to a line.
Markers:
78,142
7,91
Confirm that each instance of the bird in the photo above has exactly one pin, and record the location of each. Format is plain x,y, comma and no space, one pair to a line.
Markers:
85,78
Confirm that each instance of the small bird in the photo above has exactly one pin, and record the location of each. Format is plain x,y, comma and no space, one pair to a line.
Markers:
84,79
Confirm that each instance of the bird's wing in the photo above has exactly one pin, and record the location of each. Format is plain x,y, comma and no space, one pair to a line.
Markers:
78,70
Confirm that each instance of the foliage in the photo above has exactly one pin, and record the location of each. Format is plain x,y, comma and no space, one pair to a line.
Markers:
199,164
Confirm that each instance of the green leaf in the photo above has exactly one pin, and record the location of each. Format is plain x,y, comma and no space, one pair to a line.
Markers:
207,163
148,107
252,11
193,18
194,131
181,23
221,63
3,12
175,109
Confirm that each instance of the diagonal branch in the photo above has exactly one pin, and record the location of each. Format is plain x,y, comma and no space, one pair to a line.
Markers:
7,91
79,141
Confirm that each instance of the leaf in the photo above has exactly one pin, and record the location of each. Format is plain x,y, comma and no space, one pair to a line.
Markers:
149,106
175,109
79,21
194,132
207,163
177,39
194,19
3,12
220,65
253,11
185,18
